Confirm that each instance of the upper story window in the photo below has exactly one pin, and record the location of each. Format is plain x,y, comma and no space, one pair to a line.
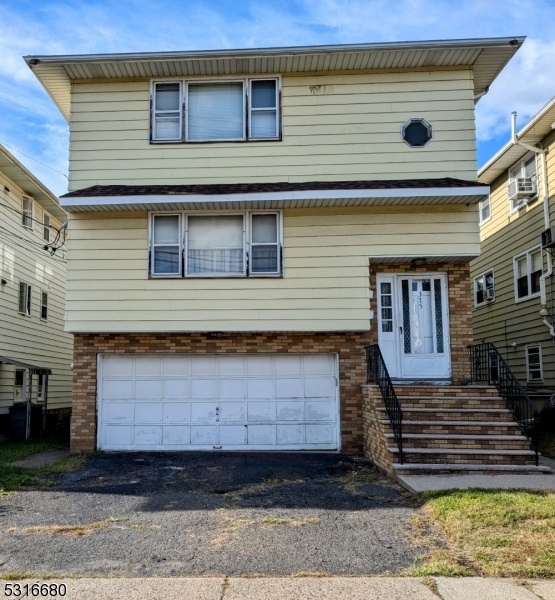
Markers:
208,111
25,294
27,212
44,305
522,182
484,288
528,269
46,223
485,210
228,245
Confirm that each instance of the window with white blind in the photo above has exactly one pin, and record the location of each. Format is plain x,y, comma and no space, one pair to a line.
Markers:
216,110
528,269
240,244
25,291
27,212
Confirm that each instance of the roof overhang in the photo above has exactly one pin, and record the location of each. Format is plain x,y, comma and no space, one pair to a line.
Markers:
24,179
419,260
532,133
486,57
287,199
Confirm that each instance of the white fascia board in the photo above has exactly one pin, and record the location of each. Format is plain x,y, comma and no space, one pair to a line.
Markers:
298,195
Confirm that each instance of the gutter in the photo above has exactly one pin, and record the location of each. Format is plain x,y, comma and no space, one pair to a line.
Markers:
547,221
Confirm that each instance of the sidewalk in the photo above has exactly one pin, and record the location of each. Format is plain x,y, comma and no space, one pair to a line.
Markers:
298,588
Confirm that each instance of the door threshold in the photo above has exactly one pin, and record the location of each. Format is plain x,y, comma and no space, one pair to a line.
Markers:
422,381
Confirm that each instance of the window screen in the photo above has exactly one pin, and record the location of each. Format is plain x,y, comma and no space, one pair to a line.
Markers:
24,298
215,244
44,305
522,276
27,210
46,227
264,244
534,363
215,111
166,247
167,111
263,109
536,271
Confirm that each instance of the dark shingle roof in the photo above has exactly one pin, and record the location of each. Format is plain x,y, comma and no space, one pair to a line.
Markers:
260,188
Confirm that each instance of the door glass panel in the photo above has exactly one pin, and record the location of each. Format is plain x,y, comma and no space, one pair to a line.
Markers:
387,312
406,315
439,315
421,318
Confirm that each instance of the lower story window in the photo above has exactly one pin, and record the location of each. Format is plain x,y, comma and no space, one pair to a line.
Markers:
484,288
534,365
528,269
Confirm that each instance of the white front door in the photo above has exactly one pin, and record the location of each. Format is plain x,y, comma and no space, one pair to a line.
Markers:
413,325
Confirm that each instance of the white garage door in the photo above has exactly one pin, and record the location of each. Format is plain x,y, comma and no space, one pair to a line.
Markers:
227,402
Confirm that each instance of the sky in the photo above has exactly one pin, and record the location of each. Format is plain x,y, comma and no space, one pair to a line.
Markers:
31,123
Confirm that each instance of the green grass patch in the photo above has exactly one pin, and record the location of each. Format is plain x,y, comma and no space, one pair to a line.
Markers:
12,477
495,533
546,444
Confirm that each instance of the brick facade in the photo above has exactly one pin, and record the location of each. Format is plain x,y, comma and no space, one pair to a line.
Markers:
349,346
460,307
376,446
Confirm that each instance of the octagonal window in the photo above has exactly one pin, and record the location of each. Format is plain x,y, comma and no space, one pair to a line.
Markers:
417,132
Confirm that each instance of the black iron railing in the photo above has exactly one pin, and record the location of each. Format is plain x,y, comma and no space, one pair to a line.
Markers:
376,372
489,366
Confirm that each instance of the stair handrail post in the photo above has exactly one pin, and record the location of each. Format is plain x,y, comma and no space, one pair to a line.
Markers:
487,364
377,373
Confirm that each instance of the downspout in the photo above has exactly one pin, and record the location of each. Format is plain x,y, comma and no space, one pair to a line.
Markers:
547,221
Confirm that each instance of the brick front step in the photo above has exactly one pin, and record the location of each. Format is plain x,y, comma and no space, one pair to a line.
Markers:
474,402
456,442
445,390
457,427
456,469
464,456
454,414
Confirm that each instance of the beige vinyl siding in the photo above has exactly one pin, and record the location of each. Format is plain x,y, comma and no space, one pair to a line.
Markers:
335,127
324,288
506,321
31,339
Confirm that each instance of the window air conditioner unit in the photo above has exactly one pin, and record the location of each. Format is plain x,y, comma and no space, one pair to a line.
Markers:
489,294
523,188
548,237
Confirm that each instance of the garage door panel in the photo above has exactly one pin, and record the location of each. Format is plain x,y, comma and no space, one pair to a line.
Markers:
176,412
176,365
270,401
204,435
148,412
290,435
118,412
289,388
149,388
260,388
232,411
262,411
148,366
233,388
147,435
204,388
319,387
261,435
177,388
233,435
175,435
117,389
290,411
203,411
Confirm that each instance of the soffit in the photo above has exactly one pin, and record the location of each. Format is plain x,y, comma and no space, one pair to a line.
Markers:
487,57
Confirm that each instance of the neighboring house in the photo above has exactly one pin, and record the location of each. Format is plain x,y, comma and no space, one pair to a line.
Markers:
512,282
34,348
245,222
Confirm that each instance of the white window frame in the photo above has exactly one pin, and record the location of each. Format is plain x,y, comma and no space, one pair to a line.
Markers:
516,205
152,274
528,254
184,108
24,215
41,385
45,227
184,227
42,292
481,206
251,109
28,298
540,355
475,287
279,244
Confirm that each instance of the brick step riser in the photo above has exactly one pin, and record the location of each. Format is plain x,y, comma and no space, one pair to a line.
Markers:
411,415
466,444
466,459
439,403
459,429
442,391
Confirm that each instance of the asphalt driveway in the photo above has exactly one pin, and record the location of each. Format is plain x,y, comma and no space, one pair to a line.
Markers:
189,513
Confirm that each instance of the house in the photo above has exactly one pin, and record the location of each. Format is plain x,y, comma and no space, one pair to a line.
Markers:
512,279
35,351
244,223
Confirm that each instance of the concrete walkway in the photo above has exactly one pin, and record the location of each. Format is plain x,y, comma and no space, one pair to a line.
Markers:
295,588
430,483
42,458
